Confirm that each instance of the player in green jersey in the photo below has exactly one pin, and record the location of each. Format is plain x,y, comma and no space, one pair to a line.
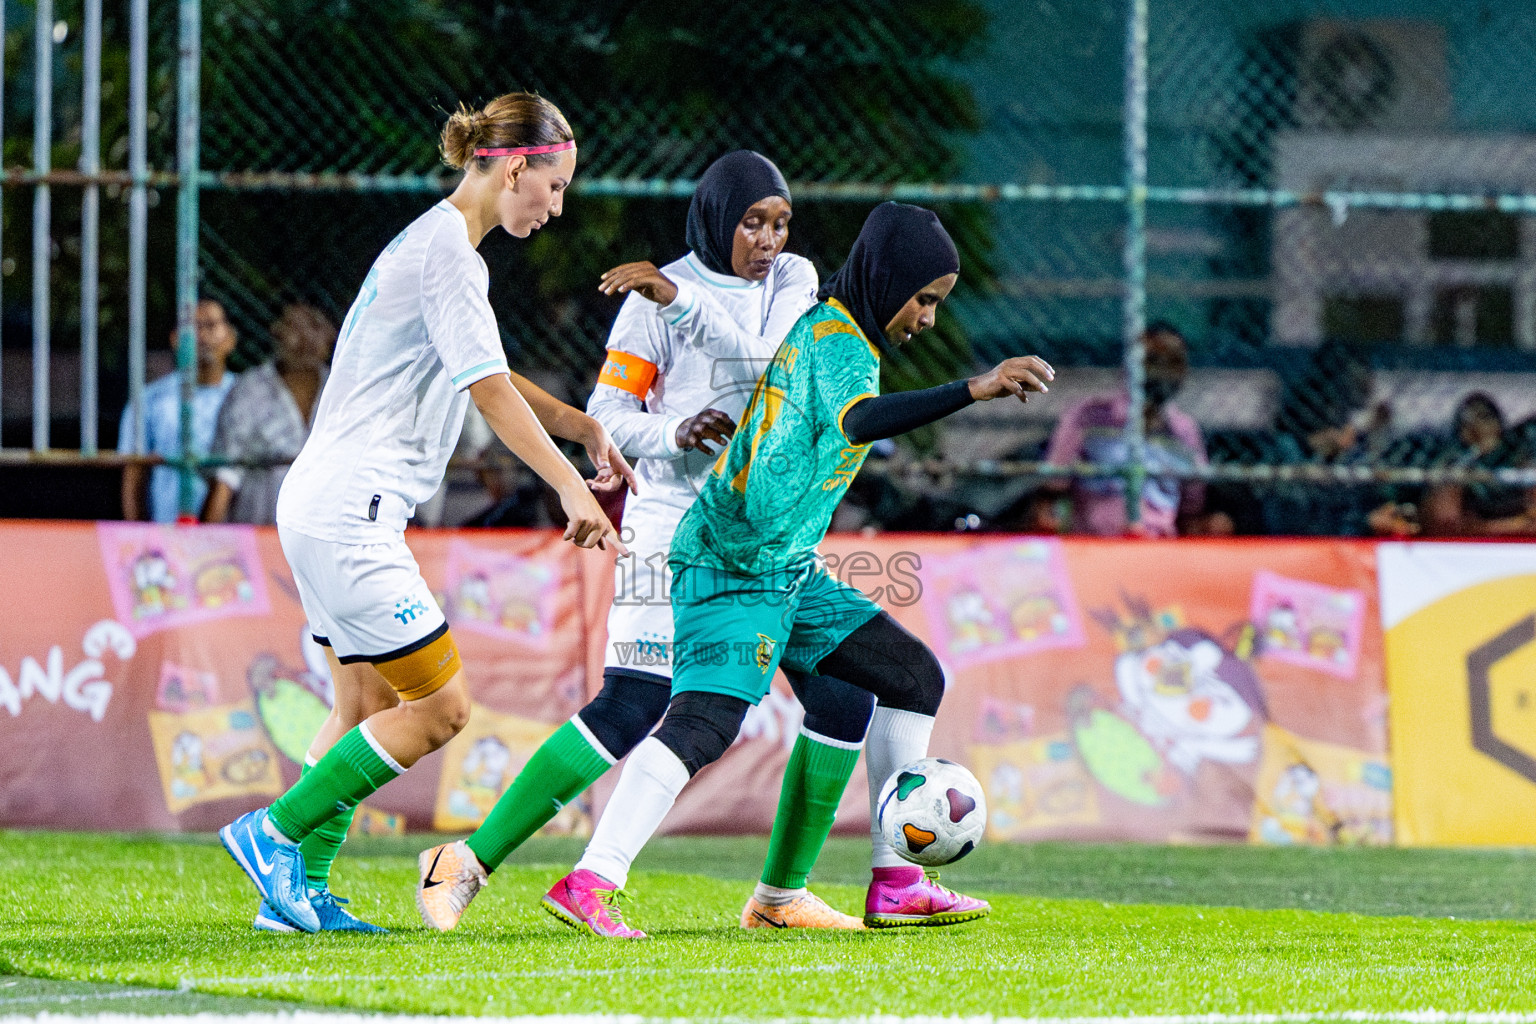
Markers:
749,593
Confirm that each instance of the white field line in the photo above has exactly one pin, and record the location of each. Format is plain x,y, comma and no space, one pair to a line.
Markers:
318,1017
193,984
89,997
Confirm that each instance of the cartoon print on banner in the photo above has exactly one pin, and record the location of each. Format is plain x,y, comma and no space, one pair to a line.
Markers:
1309,624
1033,785
998,601
185,689
482,760
370,821
502,595
213,754
1185,699
1320,794
1000,721
162,577
292,703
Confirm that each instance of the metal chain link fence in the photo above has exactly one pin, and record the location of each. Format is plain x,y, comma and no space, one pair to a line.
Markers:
1340,217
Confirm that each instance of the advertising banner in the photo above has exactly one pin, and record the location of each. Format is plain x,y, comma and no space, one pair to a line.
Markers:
160,677
163,678
1460,624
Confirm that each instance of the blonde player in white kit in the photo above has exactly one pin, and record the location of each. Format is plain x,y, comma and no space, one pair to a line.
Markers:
418,344
683,355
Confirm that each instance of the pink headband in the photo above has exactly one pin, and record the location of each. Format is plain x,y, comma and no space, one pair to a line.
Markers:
558,147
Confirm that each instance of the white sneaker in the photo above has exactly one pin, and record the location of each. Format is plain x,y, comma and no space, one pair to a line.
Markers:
451,874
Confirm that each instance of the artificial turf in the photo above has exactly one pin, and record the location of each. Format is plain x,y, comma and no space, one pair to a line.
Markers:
1075,930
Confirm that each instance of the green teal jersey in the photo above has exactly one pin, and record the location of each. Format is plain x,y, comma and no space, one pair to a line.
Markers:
769,500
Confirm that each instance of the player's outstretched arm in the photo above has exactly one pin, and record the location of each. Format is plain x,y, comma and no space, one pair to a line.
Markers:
704,323
513,420
1017,376
570,423
882,416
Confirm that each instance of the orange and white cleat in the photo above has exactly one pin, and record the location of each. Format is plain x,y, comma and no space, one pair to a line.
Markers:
806,911
451,875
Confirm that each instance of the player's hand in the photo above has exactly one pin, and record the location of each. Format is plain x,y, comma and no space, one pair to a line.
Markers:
613,471
709,425
642,277
1017,376
586,526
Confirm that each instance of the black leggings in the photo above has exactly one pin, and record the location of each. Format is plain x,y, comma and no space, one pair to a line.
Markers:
879,657
631,703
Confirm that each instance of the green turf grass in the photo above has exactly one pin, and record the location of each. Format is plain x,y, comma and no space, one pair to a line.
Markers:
176,913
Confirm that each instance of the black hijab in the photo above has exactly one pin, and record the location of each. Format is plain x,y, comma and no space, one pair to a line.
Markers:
900,250
725,193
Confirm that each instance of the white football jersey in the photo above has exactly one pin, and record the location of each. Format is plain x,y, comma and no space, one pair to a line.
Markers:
704,351
419,333
665,364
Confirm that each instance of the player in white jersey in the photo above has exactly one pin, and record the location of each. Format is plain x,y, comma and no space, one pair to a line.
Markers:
418,344
683,355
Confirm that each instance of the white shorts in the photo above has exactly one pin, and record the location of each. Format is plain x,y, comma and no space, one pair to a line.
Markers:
367,602
640,621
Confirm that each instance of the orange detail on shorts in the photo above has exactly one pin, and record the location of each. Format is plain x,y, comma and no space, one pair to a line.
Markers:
628,373
422,673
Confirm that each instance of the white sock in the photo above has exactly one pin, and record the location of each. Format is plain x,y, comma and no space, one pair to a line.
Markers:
895,738
269,827
773,896
647,789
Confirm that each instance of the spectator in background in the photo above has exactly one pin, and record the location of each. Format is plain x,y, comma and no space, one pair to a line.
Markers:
518,498
266,418
1483,509
1329,416
1477,430
162,421
1094,431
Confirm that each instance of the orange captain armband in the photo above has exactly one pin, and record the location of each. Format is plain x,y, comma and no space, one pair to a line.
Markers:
628,372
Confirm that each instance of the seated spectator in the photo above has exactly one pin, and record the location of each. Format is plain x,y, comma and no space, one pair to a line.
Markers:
267,416
1328,417
1477,433
1328,414
1484,509
162,421
1094,431
518,498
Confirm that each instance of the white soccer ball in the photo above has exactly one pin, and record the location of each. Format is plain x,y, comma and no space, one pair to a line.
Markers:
932,811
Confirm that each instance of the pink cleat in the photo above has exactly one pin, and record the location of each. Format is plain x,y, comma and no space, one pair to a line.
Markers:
904,897
589,902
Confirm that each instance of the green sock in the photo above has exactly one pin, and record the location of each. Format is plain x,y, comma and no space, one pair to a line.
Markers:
555,775
322,845
349,771
814,782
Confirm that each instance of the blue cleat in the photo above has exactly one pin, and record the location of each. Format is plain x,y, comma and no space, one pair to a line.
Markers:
327,907
268,921
276,869
334,919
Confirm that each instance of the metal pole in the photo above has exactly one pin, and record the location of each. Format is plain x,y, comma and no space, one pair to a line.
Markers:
138,210
188,76
42,244
90,220
2,205
1135,255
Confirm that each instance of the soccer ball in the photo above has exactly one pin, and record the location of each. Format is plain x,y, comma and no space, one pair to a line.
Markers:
932,811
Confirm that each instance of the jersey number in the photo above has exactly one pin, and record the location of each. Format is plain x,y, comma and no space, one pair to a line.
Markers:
369,291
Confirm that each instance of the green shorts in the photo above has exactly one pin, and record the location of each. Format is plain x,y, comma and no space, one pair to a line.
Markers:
730,632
